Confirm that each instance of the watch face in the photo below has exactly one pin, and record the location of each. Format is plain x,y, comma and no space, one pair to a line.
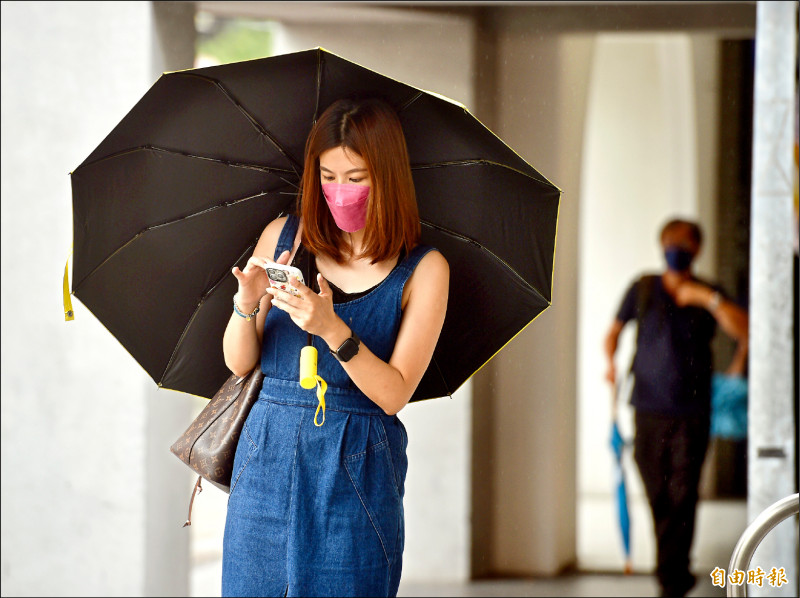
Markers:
348,350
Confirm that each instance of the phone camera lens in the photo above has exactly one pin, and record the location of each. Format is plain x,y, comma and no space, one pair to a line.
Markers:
278,275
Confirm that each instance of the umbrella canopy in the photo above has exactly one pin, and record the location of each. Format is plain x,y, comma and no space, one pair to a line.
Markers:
179,192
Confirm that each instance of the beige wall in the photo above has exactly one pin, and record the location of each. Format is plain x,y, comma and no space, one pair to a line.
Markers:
527,391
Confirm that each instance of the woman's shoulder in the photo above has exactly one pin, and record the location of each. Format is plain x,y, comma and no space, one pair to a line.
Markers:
269,237
432,264
433,256
429,282
276,226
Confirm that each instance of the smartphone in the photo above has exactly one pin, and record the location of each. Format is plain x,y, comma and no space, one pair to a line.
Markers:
279,277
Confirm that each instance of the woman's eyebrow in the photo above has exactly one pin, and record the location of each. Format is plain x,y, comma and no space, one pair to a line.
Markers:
351,171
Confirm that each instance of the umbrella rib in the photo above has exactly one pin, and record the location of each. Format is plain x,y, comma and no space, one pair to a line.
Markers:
225,204
481,162
441,375
197,311
166,150
491,254
257,125
410,101
318,86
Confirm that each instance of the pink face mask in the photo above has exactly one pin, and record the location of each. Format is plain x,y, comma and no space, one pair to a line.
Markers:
348,204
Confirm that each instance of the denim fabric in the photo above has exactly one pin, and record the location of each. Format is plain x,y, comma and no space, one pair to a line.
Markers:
318,511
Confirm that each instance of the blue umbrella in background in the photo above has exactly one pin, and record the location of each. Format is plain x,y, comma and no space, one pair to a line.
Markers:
619,445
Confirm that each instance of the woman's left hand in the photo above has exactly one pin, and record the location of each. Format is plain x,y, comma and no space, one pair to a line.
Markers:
313,312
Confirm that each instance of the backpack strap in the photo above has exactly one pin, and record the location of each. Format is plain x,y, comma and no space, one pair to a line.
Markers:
644,300
644,295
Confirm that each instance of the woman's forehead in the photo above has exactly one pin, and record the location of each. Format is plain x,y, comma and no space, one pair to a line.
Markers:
341,158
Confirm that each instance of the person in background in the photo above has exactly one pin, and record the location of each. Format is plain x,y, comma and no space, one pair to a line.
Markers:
677,316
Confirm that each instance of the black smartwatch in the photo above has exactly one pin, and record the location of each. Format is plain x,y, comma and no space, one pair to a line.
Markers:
348,349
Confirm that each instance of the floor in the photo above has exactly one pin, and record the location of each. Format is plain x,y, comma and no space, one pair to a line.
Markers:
574,584
205,582
208,524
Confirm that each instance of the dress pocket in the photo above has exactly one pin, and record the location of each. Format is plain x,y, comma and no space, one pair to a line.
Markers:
249,441
373,478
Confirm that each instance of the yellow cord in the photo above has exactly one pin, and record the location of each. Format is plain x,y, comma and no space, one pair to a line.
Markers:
68,313
322,386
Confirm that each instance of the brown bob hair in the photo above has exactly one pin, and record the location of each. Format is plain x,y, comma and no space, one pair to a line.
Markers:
371,129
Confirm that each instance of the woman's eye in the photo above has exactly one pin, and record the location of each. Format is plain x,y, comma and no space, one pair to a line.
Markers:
327,178
356,180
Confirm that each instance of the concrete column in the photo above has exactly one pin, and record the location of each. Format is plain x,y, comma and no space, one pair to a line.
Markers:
527,392
168,482
73,410
771,433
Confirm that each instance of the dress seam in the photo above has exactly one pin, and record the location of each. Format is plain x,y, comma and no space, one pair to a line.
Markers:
369,515
290,519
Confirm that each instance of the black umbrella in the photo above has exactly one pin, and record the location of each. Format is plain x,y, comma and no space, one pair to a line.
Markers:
180,190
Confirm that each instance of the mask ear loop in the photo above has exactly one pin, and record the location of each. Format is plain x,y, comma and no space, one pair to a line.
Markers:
308,362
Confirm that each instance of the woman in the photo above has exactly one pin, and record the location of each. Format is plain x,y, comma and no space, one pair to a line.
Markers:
317,509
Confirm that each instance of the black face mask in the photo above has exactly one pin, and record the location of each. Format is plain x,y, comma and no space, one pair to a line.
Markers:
678,259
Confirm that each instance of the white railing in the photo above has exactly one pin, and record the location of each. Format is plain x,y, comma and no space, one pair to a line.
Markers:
755,533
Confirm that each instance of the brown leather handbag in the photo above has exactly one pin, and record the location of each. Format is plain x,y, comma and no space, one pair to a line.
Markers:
208,445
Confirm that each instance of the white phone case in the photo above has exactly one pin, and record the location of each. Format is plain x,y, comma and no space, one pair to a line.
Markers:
279,277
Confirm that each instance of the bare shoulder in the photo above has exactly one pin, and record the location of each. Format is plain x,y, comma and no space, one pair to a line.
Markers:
434,265
432,274
269,238
274,228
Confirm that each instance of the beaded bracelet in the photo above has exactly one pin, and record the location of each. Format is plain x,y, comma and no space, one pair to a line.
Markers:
247,317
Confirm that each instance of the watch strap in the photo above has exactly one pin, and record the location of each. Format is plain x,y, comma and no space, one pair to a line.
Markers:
351,340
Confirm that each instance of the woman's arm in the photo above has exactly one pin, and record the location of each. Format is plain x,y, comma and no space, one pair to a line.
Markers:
241,343
390,385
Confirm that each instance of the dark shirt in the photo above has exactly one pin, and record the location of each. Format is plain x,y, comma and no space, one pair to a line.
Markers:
308,266
672,366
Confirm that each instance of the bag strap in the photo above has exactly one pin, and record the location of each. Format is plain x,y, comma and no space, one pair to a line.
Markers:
197,488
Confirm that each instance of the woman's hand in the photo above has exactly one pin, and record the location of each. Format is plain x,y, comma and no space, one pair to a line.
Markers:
253,281
311,311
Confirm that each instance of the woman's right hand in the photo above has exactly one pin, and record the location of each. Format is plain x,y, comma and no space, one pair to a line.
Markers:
253,281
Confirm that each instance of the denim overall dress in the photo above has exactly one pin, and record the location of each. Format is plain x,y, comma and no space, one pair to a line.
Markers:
318,511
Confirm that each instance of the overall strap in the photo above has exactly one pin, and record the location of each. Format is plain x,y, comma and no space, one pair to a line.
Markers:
288,233
414,257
